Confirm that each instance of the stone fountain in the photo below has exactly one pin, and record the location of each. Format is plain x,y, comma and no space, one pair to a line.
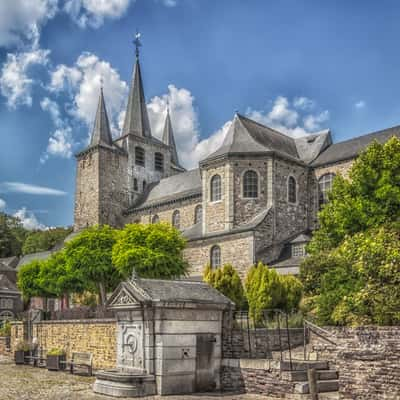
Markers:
168,338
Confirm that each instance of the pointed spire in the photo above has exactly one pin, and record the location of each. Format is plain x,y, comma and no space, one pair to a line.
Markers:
169,140
101,129
136,117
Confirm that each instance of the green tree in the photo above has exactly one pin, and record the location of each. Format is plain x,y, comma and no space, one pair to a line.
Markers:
88,258
153,251
12,236
227,281
44,240
28,281
370,198
266,289
362,283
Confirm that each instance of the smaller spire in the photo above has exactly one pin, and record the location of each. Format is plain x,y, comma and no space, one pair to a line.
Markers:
101,129
168,138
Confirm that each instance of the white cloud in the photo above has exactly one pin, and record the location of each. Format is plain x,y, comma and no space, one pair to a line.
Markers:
15,82
28,219
2,204
360,104
303,103
61,142
20,20
284,118
93,12
170,3
313,122
82,83
20,187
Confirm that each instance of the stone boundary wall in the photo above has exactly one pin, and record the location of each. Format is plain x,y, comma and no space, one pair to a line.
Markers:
97,336
367,358
254,376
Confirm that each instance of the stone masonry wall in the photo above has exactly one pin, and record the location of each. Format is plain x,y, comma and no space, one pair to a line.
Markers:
4,345
95,336
186,208
197,253
368,360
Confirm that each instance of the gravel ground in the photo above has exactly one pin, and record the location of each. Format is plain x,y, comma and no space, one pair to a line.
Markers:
21,382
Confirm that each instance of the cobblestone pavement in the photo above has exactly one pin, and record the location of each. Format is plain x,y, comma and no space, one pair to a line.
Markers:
22,382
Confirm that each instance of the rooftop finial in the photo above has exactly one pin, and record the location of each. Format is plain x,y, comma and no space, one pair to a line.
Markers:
167,106
101,82
137,42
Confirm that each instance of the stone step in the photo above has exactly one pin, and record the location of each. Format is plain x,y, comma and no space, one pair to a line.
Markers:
321,396
298,365
323,386
322,375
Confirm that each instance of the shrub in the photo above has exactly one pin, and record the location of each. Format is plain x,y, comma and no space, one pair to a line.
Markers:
55,351
5,330
266,289
227,281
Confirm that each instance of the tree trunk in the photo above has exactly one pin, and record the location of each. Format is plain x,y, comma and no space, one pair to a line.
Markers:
102,293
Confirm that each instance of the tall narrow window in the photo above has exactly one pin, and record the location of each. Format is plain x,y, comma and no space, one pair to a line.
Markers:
139,156
250,184
215,188
176,219
198,214
144,185
155,219
158,162
215,257
292,190
135,185
325,186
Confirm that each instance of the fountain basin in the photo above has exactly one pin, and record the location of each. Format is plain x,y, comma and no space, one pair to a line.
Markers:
119,383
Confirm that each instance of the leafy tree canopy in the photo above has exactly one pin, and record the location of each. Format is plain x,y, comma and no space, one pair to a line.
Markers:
266,289
369,199
153,251
88,258
44,240
28,281
12,236
227,281
359,283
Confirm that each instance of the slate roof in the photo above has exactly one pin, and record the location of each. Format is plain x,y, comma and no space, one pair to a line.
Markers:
136,117
352,148
10,261
174,187
169,140
310,146
157,290
7,285
42,255
101,130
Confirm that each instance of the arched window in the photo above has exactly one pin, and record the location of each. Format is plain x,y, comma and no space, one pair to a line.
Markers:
144,185
176,219
325,186
139,156
135,184
155,219
250,184
215,257
215,188
292,190
158,162
198,214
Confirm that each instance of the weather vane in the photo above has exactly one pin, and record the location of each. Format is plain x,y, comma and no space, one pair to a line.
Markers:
137,43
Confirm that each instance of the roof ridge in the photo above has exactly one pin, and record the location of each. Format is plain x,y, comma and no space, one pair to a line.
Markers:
368,134
265,126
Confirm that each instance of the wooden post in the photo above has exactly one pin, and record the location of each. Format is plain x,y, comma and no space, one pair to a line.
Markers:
312,383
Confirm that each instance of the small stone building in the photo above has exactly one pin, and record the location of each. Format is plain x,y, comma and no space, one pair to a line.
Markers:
10,297
169,338
249,201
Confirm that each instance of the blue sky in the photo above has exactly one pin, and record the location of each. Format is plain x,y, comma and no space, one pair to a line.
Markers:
299,66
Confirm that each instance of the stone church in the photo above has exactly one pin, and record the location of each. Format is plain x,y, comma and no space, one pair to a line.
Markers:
254,199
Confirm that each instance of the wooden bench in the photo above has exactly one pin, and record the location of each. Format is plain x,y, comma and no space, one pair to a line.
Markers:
81,360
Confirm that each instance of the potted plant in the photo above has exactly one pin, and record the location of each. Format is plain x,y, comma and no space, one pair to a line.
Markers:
21,352
56,359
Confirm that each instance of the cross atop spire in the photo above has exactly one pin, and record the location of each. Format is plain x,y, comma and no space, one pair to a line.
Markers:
137,42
